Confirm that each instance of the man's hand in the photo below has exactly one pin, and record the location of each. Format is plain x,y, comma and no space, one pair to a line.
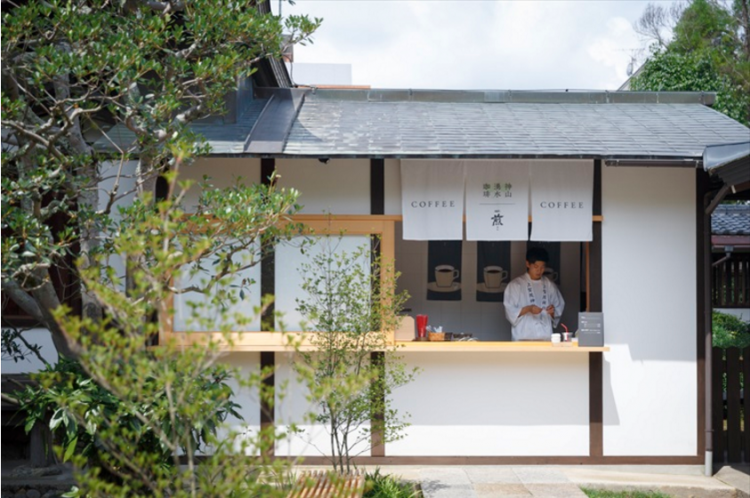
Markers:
551,310
532,308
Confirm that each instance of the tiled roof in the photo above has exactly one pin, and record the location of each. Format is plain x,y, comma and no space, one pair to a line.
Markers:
731,219
223,138
471,124
341,127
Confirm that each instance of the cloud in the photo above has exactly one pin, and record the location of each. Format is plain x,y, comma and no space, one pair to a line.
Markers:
475,44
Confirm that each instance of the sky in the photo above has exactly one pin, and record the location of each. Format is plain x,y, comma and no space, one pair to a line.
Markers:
476,44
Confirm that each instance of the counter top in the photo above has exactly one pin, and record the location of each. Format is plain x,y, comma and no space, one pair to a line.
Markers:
496,346
277,341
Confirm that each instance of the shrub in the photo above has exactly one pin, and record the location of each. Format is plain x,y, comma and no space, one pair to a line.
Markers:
730,331
379,485
86,401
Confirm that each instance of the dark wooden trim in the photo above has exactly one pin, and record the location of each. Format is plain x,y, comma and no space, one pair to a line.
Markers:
268,259
596,405
718,440
595,260
746,373
267,319
703,295
267,167
734,406
267,409
20,322
161,190
377,448
377,186
597,205
596,360
510,460
377,206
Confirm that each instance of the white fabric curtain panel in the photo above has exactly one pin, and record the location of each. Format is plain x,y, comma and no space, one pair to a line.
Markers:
497,200
562,194
432,197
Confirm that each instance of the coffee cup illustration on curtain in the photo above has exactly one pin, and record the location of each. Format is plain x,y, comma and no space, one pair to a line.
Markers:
444,270
493,275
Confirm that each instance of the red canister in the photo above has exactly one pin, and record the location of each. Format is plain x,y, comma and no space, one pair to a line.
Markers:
422,326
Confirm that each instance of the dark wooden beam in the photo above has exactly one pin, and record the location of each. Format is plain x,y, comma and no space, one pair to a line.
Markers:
596,362
377,206
267,405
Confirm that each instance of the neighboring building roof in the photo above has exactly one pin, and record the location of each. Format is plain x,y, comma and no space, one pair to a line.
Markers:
731,219
615,126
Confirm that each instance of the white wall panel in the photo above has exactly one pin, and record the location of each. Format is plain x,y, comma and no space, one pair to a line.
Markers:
41,338
223,172
340,187
293,408
184,303
289,276
122,174
393,186
649,304
248,399
485,404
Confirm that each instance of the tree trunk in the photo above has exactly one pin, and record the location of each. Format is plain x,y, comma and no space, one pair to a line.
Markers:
88,199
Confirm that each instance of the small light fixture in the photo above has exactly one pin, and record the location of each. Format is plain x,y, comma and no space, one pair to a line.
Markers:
324,160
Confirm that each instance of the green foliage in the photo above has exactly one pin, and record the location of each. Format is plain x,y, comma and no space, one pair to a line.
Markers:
134,418
353,306
76,71
379,485
707,53
603,493
67,393
729,331
671,70
704,25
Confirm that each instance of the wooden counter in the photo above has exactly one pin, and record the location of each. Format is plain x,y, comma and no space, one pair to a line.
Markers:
499,347
279,342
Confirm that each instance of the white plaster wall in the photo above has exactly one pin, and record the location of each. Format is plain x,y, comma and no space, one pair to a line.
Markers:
392,192
247,364
223,173
340,187
495,404
289,274
649,304
184,303
293,407
31,364
122,174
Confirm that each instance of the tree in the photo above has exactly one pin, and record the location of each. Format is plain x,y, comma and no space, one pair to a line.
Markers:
71,71
709,51
134,419
352,310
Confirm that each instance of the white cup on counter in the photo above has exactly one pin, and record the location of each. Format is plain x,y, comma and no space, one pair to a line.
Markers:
556,339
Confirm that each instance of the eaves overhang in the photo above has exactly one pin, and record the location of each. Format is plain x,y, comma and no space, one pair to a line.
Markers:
730,162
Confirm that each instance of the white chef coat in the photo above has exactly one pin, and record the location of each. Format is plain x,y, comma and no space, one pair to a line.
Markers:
523,291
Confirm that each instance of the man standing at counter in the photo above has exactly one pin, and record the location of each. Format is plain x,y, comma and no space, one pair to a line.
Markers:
533,303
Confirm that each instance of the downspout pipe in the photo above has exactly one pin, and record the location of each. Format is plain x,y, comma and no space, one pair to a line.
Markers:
710,201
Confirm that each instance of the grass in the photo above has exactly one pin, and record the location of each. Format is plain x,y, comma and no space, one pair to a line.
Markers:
600,493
